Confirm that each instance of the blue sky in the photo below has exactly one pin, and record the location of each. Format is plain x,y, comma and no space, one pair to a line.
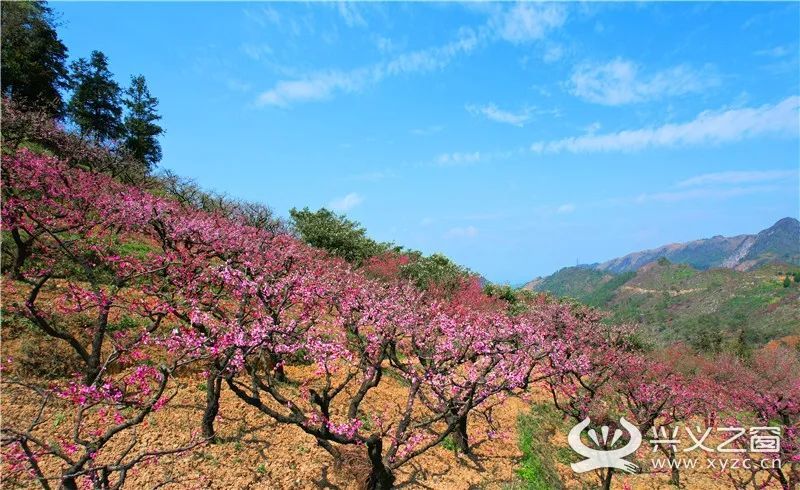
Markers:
514,138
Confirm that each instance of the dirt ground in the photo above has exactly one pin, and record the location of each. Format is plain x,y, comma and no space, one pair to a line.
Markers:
255,452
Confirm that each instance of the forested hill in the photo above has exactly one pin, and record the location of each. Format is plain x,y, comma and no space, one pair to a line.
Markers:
714,309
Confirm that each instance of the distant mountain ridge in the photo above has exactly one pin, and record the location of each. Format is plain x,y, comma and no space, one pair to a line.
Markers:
719,293
778,243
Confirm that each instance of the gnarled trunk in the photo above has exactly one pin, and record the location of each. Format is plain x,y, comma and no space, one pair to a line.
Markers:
459,434
380,477
213,389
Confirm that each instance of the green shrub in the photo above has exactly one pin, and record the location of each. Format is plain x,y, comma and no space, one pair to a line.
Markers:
449,444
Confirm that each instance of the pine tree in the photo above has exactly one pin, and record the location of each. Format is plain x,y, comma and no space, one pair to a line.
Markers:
141,129
95,103
33,56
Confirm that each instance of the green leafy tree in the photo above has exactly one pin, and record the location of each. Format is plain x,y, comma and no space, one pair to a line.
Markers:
141,128
705,334
434,270
95,103
335,233
787,281
33,56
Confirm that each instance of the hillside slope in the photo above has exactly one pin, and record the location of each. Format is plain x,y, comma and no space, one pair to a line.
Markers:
711,309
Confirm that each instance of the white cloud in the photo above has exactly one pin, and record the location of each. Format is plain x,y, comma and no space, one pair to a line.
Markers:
709,127
319,87
458,158
322,85
346,203
527,22
493,113
465,232
566,208
738,177
620,82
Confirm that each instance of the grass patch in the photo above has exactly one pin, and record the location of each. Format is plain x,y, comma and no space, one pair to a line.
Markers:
537,468
135,249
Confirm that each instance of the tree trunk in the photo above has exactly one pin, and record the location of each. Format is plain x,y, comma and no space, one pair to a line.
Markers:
785,484
675,477
380,477
69,483
607,479
23,252
92,371
277,368
459,434
213,389
675,473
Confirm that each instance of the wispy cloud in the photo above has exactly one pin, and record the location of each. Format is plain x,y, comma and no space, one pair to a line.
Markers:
255,51
427,131
459,232
566,208
709,127
346,203
458,158
526,22
553,53
621,81
351,14
776,52
738,177
263,15
237,85
322,85
703,193
494,113
521,23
